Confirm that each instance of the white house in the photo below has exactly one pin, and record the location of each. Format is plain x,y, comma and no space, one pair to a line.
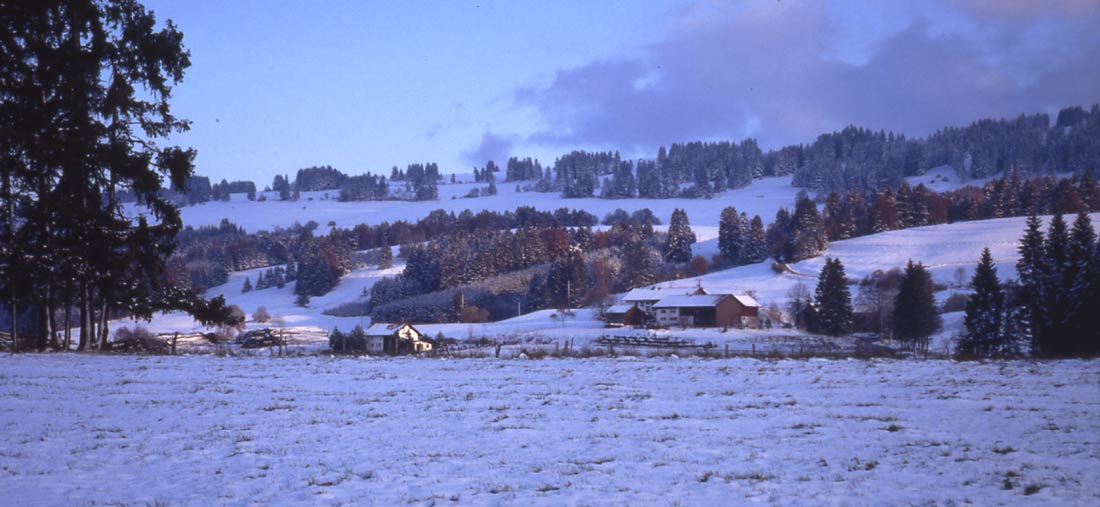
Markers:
401,338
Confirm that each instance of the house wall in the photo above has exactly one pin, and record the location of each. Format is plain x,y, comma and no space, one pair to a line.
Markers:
728,313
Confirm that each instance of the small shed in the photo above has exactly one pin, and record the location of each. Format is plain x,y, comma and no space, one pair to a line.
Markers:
624,315
395,339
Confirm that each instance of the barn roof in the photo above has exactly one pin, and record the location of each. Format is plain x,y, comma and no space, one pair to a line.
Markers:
655,293
619,308
745,300
386,328
691,301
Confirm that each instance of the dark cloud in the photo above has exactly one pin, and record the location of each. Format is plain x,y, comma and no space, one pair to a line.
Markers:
491,147
765,72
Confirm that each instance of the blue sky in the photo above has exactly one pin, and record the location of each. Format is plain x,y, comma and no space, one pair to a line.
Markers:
362,86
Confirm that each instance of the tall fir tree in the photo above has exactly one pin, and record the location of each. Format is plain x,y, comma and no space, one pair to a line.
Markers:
680,238
756,249
1082,288
833,300
915,315
983,322
1032,280
1053,340
730,240
567,280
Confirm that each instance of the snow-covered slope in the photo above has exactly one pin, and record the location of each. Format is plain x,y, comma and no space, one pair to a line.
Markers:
762,198
943,248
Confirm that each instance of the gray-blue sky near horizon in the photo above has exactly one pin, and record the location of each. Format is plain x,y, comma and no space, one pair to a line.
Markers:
363,86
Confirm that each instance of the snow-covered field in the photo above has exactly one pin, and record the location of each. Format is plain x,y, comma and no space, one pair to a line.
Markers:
943,248
763,198
106,430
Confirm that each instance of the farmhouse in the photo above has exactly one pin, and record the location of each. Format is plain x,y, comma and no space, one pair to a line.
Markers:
707,310
384,338
645,298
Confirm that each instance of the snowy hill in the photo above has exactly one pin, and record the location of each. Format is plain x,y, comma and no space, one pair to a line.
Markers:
763,197
943,248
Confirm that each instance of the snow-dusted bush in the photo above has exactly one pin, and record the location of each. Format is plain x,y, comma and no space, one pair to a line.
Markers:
261,315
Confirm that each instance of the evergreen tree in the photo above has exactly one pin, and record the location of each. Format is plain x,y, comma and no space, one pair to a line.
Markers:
1082,288
756,249
247,285
807,231
680,238
832,300
778,236
385,257
984,324
567,280
85,91
729,236
637,262
915,315
1053,340
1032,293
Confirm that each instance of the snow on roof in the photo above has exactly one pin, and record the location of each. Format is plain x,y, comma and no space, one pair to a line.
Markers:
619,308
692,301
643,294
655,293
384,328
745,300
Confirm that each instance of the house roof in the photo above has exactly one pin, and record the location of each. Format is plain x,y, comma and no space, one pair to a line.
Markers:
745,300
691,301
644,294
386,328
656,293
619,308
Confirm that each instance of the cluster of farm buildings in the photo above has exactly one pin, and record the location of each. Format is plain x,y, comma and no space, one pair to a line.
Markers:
646,307
670,307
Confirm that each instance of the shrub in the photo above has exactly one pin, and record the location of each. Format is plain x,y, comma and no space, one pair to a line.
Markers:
956,303
354,342
138,340
261,315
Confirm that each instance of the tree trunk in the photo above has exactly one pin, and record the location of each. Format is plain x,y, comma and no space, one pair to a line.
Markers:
104,314
85,307
51,316
68,321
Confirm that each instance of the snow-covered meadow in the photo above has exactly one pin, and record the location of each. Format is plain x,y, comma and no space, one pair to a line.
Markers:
108,430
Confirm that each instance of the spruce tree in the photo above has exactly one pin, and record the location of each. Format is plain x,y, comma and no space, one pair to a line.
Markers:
832,300
680,238
1082,288
247,285
1054,341
984,313
385,257
807,231
756,249
567,279
1032,293
915,315
730,240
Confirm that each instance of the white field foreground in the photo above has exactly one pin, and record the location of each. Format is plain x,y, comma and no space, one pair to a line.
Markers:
204,430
